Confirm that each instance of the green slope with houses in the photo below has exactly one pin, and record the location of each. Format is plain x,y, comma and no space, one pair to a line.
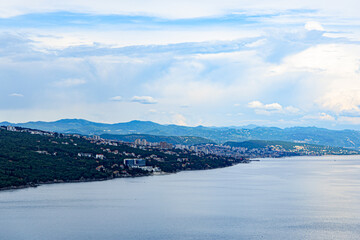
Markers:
30,157
292,147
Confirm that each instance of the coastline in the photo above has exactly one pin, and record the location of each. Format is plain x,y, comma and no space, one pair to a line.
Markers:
34,185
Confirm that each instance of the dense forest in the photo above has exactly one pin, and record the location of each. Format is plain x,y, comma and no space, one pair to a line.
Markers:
28,159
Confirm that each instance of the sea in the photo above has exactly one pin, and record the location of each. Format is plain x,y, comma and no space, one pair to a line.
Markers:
283,198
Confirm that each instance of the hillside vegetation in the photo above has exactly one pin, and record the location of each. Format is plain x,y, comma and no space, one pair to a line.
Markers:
34,157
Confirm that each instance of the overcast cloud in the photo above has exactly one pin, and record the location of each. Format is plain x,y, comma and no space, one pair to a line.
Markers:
278,63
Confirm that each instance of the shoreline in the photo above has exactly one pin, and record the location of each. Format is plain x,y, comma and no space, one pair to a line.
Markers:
34,185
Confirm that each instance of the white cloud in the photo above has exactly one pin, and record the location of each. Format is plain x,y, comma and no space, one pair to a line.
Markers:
179,119
321,116
267,109
273,106
144,99
209,79
255,104
312,25
56,40
70,82
116,98
349,120
16,95
330,76
324,116
341,100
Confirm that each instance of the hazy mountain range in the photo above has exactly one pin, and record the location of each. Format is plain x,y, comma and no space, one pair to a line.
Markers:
313,135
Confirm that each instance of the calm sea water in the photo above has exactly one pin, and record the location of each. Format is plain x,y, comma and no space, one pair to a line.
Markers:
289,198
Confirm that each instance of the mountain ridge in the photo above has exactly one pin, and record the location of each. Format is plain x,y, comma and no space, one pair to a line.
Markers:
312,135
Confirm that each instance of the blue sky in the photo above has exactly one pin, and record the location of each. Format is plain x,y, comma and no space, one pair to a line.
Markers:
212,63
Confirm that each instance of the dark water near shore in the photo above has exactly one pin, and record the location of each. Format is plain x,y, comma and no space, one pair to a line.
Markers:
289,198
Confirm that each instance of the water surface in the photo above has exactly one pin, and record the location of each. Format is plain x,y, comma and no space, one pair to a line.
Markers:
288,198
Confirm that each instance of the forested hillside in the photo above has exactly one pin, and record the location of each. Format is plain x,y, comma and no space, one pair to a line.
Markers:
30,157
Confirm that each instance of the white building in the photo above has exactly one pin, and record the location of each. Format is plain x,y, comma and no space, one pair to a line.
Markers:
100,156
11,128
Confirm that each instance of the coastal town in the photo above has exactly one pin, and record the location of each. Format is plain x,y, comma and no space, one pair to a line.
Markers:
199,150
32,156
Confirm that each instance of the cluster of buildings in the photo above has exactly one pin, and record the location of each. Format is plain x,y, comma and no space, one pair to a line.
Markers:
136,161
140,163
268,151
31,131
142,144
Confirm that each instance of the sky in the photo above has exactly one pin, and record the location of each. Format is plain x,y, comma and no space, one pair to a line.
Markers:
212,63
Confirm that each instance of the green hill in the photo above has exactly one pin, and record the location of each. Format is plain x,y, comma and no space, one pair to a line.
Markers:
30,157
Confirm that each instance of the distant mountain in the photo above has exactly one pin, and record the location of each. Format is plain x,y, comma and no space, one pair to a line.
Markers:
313,135
86,127
184,140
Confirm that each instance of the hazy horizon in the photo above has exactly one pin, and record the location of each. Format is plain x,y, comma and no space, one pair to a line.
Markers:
209,126
211,63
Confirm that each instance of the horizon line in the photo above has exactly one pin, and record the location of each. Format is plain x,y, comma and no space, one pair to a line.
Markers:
173,124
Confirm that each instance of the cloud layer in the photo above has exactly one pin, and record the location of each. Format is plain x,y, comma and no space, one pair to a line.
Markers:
283,64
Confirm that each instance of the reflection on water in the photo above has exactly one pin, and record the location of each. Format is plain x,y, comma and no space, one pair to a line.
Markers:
289,198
